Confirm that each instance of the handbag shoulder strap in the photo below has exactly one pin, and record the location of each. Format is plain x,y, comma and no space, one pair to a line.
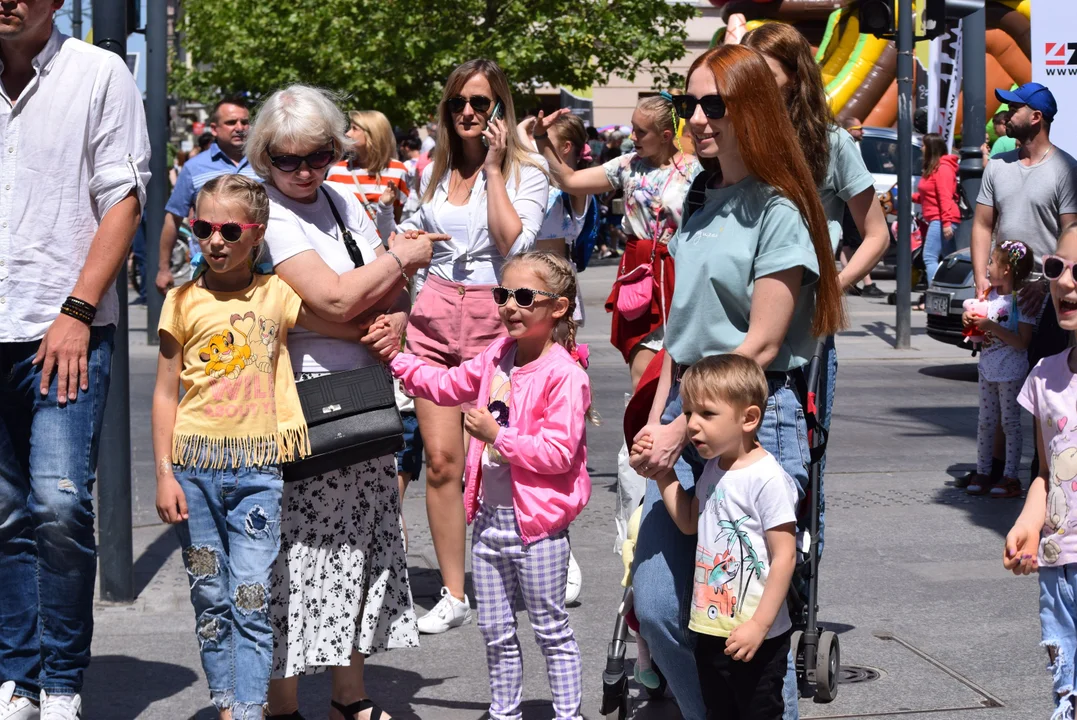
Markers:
345,233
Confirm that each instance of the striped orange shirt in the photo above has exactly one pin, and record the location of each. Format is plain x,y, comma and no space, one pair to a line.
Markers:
368,188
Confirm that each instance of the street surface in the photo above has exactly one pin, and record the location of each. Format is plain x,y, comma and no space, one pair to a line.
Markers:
911,576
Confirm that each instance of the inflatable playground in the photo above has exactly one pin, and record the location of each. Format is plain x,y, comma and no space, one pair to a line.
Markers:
861,70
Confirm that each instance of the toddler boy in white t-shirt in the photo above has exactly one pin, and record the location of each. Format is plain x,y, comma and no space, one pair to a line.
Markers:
744,515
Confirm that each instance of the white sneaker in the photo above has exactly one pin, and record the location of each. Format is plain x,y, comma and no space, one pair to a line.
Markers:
60,707
575,581
14,707
447,614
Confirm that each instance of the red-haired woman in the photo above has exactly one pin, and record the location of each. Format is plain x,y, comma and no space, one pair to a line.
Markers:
755,276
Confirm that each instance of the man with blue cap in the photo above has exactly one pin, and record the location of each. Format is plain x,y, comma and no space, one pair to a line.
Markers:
1027,194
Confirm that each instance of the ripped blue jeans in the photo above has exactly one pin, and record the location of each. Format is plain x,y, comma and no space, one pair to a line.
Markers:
1058,625
230,542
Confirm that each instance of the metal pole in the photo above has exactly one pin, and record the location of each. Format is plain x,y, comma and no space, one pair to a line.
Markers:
116,554
157,120
974,92
903,323
76,19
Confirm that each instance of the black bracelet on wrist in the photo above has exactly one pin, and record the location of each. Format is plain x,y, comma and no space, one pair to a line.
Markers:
81,310
543,136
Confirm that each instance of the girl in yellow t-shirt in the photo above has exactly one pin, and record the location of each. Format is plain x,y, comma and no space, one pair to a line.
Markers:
219,450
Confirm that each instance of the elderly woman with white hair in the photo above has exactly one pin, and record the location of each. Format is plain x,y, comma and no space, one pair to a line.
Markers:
340,585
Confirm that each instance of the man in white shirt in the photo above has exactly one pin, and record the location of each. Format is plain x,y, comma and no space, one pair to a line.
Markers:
74,158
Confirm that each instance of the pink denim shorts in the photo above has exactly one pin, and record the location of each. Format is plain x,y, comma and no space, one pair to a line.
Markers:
451,323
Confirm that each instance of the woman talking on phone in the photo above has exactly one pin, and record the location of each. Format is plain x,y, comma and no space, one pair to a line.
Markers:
489,194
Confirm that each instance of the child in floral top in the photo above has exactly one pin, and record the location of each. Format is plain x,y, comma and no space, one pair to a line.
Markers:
1042,540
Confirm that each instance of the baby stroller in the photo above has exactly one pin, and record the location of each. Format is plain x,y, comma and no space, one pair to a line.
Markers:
614,677
817,651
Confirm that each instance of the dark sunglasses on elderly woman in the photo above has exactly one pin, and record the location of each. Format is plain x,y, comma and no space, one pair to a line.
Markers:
315,161
524,297
479,103
713,106
1054,266
230,231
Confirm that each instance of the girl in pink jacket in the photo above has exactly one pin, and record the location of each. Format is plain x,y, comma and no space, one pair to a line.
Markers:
526,473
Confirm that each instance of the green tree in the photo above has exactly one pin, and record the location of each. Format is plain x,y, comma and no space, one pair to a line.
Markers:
394,55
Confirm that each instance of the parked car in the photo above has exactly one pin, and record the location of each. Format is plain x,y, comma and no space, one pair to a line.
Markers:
879,147
945,297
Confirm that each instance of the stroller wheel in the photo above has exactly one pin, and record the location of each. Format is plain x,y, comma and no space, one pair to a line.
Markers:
620,712
828,667
660,691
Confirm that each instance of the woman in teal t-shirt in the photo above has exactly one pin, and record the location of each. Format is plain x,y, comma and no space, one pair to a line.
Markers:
838,170
755,276
833,156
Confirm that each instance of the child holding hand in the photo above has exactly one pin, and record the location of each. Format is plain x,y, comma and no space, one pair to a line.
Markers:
744,515
526,475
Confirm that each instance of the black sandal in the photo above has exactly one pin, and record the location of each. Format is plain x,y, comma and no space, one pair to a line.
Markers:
359,706
293,716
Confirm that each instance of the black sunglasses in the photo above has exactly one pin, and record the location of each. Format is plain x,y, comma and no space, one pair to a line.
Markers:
479,103
1054,266
315,161
524,297
713,106
230,231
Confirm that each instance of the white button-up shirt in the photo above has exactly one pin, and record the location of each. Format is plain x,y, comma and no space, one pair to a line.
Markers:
72,145
475,259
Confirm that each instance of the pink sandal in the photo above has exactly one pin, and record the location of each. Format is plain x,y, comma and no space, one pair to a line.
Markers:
1007,488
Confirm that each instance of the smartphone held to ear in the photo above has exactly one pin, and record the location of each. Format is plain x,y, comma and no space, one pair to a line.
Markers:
496,114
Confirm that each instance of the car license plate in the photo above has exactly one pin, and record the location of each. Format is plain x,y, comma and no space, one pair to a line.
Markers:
938,303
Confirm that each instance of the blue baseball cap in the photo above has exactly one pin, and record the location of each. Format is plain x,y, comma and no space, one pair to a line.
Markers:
1034,95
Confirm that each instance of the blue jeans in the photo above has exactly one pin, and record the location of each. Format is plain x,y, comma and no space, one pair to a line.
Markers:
230,541
48,555
937,247
665,557
1058,625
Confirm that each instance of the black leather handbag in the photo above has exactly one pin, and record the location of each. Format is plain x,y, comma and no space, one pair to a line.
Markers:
351,415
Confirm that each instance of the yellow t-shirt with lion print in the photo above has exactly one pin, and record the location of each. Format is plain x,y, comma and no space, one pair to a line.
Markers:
240,406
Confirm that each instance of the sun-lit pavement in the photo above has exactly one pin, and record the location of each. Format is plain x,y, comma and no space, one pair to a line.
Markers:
911,578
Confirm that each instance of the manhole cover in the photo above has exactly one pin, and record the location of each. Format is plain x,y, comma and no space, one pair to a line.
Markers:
851,674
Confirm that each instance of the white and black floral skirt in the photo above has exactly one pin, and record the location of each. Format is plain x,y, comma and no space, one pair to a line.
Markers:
340,582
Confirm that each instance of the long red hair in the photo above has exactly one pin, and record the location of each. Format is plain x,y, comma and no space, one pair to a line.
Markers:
771,152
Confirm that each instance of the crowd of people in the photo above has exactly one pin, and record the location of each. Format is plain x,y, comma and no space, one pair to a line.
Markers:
322,244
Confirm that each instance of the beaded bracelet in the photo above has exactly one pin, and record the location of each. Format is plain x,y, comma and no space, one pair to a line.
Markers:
81,310
400,265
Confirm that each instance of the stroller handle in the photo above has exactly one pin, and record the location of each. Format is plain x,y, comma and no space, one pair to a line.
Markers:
815,365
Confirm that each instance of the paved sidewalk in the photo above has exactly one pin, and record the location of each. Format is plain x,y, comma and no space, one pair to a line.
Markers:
911,577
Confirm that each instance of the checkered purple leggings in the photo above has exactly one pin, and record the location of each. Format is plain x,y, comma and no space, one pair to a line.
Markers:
500,564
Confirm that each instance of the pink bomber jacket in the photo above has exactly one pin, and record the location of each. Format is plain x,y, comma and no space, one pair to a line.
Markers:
545,443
